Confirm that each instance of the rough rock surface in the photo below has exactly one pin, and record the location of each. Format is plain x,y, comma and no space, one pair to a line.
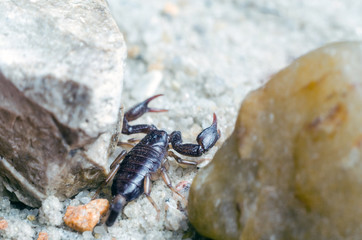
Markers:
43,236
50,212
85,217
17,229
292,169
3,224
61,71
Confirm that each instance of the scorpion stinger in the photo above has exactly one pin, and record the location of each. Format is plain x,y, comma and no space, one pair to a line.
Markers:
208,137
118,203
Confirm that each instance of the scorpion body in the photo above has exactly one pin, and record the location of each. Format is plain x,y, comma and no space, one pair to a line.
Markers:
143,159
147,160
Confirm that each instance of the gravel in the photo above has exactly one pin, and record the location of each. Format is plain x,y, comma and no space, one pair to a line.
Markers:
204,56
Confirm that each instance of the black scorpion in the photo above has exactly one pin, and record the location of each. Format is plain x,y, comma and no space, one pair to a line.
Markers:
147,160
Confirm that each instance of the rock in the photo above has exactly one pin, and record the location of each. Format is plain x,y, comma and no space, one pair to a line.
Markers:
19,230
61,71
174,218
3,224
292,169
171,9
43,236
83,218
50,212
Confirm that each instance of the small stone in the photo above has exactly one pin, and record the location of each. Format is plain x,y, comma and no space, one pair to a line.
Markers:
158,66
50,211
174,217
5,204
100,230
85,200
87,235
31,217
84,217
18,229
3,224
43,236
171,9
133,51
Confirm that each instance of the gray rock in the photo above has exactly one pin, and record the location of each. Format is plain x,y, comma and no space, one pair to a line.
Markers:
60,95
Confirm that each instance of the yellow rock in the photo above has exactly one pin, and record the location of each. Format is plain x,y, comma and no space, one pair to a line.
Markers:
292,169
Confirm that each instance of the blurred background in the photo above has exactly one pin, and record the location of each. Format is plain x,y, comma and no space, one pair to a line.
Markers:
207,55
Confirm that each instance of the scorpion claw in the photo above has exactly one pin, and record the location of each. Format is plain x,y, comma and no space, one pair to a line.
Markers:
136,112
141,108
153,109
208,137
206,140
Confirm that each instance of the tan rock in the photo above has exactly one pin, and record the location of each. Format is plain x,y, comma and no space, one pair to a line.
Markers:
3,224
85,217
171,9
43,236
292,169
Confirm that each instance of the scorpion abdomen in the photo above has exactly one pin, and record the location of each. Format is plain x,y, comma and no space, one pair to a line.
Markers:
143,159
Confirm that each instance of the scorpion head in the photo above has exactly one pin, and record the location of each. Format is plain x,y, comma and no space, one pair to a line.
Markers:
156,138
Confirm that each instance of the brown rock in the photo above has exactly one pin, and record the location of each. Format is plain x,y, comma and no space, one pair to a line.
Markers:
43,236
292,169
3,224
85,217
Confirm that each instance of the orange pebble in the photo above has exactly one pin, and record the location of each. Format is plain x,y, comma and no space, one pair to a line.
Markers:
84,217
3,224
43,236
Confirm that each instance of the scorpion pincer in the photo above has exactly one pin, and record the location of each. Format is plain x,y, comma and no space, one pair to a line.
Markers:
147,160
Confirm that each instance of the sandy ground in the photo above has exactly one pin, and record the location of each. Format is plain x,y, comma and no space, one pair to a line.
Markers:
204,56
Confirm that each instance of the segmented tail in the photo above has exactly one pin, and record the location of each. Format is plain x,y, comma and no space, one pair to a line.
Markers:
118,203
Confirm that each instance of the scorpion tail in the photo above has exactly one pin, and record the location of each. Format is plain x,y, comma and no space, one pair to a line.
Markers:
118,203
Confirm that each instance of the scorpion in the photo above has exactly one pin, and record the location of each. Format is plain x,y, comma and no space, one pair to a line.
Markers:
133,172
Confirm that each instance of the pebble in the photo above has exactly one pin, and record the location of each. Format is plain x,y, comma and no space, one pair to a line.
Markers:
50,211
100,230
87,235
43,236
85,200
133,51
83,218
3,224
174,217
31,217
171,9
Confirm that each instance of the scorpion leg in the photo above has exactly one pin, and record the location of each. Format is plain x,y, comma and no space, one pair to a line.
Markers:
136,112
114,168
130,143
180,160
147,190
167,180
206,140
